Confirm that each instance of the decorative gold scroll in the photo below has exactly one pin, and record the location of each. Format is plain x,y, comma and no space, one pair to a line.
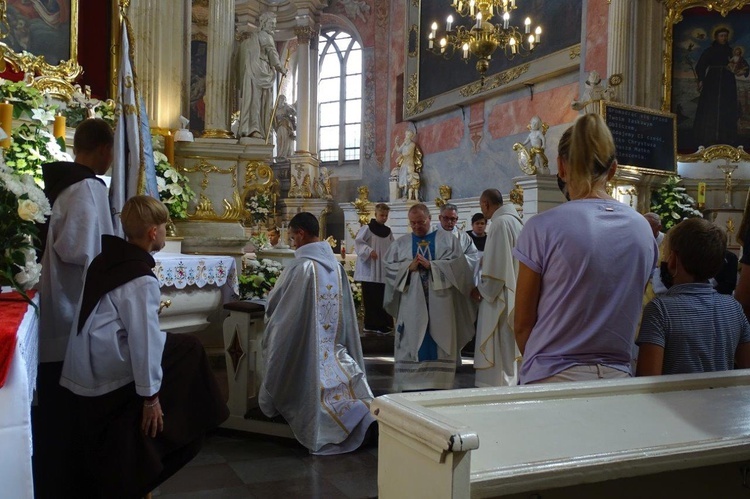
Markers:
56,81
720,151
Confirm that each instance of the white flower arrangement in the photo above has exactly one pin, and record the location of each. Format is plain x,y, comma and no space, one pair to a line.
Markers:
258,278
174,187
260,207
22,206
33,145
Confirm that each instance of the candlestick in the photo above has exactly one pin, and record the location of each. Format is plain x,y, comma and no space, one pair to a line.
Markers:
433,28
506,20
449,24
169,147
58,129
527,25
512,43
538,32
466,50
701,194
430,40
6,120
443,43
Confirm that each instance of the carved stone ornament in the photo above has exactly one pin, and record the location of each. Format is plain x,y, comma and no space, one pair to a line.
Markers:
494,81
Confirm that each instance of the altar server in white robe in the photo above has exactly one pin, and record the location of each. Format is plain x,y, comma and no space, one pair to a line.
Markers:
314,370
427,282
70,240
496,357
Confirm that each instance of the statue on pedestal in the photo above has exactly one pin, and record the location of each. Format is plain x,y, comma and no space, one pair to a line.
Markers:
285,124
323,184
595,92
409,167
258,63
532,159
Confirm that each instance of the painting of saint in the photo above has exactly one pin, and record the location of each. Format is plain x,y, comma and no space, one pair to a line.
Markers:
711,79
41,27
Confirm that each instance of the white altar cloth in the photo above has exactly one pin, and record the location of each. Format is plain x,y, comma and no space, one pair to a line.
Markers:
180,270
196,287
16,478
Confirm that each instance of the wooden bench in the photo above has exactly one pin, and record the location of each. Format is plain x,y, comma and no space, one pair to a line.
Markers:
667,436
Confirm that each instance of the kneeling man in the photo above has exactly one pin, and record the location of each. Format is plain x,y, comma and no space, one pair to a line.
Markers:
314,371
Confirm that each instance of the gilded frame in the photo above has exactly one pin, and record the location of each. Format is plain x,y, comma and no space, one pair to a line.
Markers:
675,9
55,80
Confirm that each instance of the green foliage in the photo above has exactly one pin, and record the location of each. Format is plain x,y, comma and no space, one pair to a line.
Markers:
23,97
673,204
174,187
258,278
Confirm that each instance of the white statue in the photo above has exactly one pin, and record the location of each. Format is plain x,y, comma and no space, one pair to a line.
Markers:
595,92
324,184
409,166
285,124
537,142
258,63
355,9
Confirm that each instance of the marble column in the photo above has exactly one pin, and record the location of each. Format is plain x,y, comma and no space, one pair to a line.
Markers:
159,41
649,40
618,47
304,34
220,43
314,77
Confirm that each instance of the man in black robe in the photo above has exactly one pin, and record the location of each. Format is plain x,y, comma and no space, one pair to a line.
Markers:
718,110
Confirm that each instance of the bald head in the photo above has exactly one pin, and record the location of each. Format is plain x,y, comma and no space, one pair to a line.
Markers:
654,221
490,201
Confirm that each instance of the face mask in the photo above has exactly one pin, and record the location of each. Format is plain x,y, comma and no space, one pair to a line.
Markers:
563,186
666,277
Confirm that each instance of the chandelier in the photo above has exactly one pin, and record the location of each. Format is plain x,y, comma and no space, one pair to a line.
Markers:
483,38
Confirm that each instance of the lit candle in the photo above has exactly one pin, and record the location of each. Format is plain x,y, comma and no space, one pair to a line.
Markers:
527,25
6,120
506,20
460,5
449,23
169,147
434,29
531,42
471,7
479,20
58,129
492,9
538,37
443,43
701,193
466,50
512,4
430,40
512,43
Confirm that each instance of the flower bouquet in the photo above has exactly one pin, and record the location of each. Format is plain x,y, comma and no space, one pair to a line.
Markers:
258,278
174,187
33,145
22,205
260,207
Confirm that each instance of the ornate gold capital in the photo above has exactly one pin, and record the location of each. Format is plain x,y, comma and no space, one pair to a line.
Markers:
304,34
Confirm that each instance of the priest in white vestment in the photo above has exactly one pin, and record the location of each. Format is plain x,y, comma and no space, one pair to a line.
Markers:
314,372
427,281
496,356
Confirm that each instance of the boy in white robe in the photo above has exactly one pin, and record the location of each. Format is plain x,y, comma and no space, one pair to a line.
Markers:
314,370
370,245
70,241
427,283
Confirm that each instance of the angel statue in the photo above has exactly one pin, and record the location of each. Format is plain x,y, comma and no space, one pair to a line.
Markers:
532,159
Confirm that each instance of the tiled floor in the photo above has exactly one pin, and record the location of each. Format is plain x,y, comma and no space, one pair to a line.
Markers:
243,465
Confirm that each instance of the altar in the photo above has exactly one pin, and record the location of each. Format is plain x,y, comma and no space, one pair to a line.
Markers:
19,355
193,290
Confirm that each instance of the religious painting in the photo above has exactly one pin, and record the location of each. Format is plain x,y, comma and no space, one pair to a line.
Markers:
42,39
435,83
708,76
198,64
41,27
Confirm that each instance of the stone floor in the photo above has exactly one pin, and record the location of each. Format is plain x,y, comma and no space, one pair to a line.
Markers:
242,465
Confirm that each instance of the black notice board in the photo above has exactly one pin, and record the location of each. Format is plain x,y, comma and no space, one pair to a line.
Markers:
644,138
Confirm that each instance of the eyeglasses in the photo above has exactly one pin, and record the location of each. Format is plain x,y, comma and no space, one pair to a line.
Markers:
419,222
449,219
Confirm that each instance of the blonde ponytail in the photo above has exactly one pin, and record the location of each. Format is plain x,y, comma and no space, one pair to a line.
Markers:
592,153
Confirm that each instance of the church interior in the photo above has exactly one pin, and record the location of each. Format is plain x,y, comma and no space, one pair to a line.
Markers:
253,111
